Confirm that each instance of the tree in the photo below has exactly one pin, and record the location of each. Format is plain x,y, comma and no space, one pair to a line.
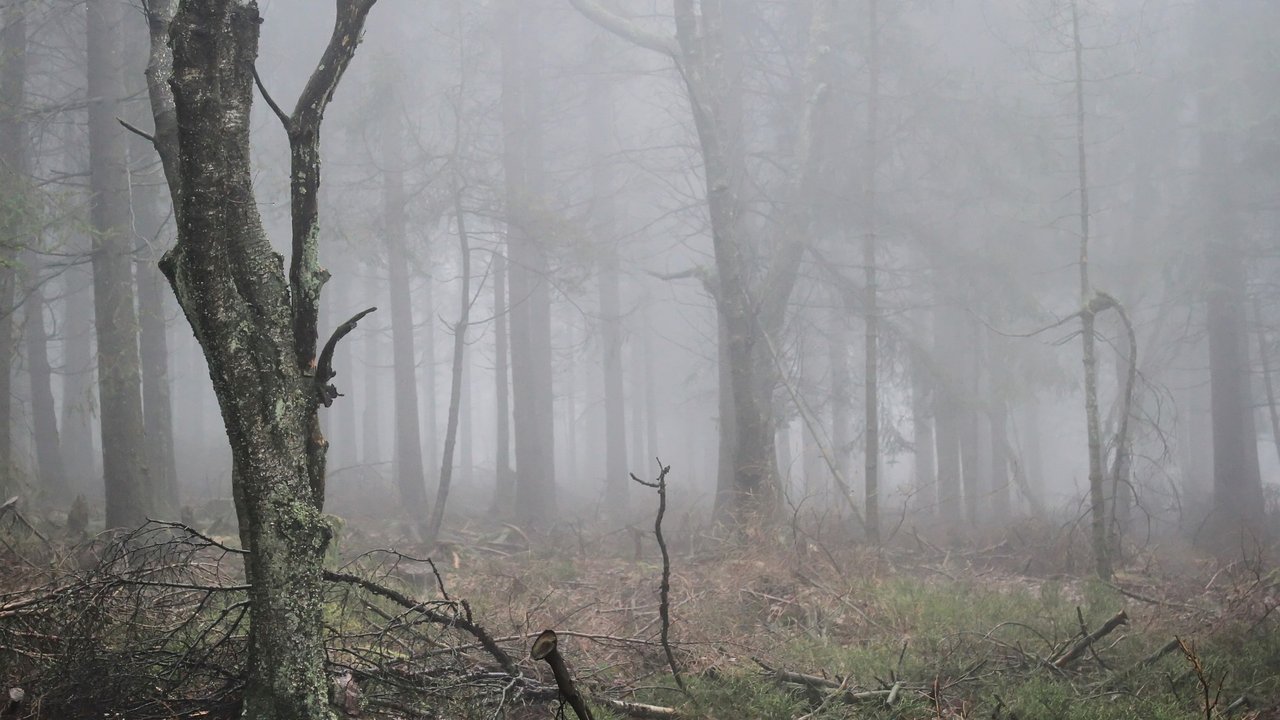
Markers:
256,325
130,497
529,301
14,143
751,284
408,467
1237,483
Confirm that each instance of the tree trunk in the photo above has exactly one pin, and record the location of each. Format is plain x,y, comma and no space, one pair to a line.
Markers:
948,419
78,381
504,478
531,372
871,378
51,474
841,391
459,358
131,498
14,221
407,466
1237,483
258,330
923,396
998,417
371,454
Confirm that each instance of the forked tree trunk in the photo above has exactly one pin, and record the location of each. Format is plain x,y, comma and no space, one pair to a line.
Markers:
258,331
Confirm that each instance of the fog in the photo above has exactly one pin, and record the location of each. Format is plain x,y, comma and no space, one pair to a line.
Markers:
950,144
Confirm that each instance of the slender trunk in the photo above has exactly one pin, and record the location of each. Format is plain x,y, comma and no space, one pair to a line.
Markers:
999,421
459,357
948,420
371,454
638,454
130,496
1097,492
154,348
727,436
504,477
1032,454
430,416
923,396
51,474
871,379
466,453
841,392
407,466
78,381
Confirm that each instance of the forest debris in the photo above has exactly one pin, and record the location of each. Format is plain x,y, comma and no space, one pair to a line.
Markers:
814,682
544,648
1086,642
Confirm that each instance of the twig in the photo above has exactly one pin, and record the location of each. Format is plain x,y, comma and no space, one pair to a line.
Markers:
137,131
664,590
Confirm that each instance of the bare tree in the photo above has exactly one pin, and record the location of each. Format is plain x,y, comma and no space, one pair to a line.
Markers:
751,286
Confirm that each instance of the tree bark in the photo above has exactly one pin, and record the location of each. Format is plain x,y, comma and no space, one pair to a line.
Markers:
131,497
258,330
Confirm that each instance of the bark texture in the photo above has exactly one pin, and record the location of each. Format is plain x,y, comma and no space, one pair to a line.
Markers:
257,328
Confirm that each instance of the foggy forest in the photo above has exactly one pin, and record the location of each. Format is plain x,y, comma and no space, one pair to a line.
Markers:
803,359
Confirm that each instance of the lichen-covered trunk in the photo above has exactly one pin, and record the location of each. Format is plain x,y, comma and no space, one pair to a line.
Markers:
232,288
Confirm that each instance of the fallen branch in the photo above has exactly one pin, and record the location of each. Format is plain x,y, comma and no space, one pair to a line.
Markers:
1074,652
462,623
544,648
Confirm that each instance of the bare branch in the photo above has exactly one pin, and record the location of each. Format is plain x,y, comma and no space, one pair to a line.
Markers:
627,29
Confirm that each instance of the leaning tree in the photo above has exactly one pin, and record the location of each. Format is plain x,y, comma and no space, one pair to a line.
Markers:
256,324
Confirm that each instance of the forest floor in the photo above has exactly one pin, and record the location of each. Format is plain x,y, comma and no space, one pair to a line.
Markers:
795,624
798,625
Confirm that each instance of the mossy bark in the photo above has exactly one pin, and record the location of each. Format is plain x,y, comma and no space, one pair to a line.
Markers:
257,329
